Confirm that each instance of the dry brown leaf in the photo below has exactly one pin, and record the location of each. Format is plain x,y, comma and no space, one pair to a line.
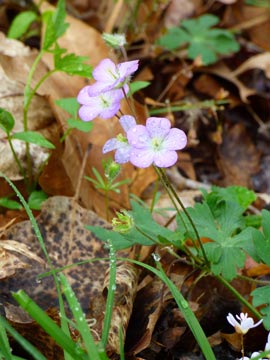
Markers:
178,10
260,61
62,224
10,261
238,164
220,69
254,20
40,117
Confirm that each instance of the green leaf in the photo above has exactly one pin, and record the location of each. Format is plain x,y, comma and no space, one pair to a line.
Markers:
33,137
70,105
261,296
40,316
201,24
222,223
80,125
201,39
71,63
262,241
174,38
118,240
204,50
21,23
138,85
6,121
10,204
55,25
36,199
236,194
79,317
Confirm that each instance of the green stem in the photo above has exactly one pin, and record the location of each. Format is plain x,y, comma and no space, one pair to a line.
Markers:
172,194
22,171
28,96
110,298
239,296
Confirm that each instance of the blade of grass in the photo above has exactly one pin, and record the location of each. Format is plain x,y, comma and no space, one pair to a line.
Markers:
20,339
79,316
49,325
110,297
4,344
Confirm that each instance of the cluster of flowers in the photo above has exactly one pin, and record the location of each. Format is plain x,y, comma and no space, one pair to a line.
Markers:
153,143
242,325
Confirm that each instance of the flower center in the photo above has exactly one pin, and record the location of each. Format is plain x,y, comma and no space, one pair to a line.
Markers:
105,103
156,144
122,138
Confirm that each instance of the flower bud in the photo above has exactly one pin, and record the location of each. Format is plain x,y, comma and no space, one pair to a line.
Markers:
123,223
114,40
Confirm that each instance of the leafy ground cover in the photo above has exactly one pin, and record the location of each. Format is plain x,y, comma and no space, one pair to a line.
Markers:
134,180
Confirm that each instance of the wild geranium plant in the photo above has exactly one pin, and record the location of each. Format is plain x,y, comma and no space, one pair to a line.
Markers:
221,216
200,39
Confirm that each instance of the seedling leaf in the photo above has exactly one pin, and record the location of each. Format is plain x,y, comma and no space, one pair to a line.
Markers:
33,138
21,23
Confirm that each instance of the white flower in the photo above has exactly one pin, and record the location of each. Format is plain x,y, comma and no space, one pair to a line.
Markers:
244,324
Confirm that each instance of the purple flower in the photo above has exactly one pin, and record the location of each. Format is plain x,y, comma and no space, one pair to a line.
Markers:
105,105
109,76
120,143
156,143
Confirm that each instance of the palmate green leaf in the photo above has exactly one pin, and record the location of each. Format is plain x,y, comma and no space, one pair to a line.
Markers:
262,241
236,194
174,38
33,137
21,23
201,39
223,41
202,48
201,24
225,226
261,296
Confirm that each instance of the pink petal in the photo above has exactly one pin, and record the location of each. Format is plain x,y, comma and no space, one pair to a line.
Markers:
138,137
165,158
141,158
110,111
122,154
99,87
83,96
158,127
105,71
110,145
127,68
88,113
175,140
127,122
